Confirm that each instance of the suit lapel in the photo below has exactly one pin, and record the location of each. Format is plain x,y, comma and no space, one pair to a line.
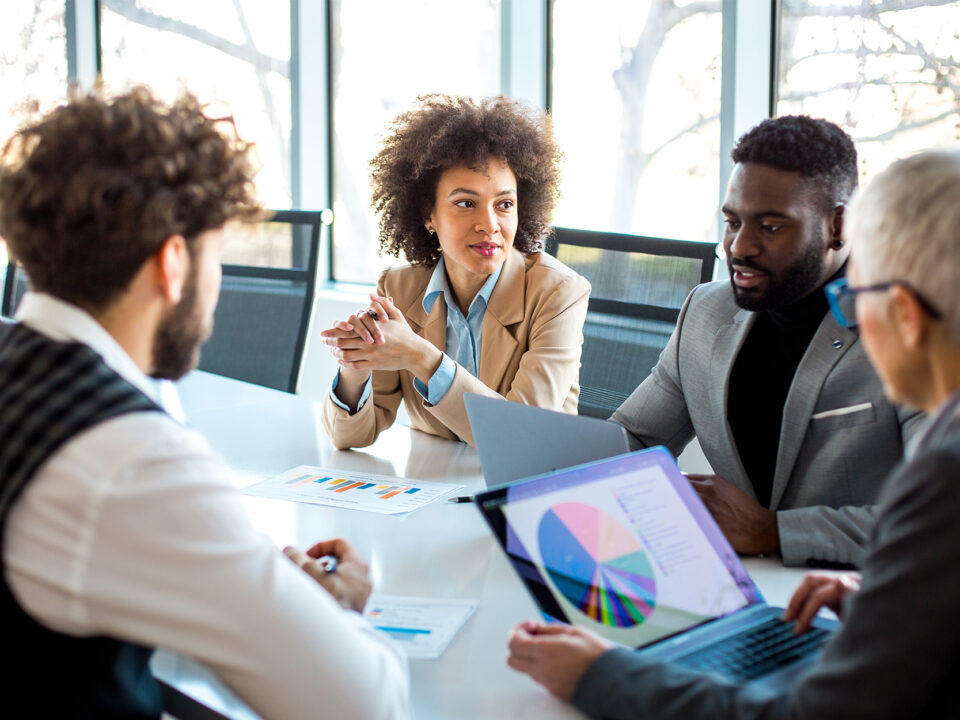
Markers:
505,309
829,344
726,346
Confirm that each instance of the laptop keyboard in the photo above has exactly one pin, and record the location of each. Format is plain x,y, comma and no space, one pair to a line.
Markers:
756,652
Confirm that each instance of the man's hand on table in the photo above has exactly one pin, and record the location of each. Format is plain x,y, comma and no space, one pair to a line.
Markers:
816,592
349,583
556,656
750,527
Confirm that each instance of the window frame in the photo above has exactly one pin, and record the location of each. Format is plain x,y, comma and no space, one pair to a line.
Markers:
747,86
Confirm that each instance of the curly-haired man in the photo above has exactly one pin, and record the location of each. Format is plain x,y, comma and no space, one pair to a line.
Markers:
121,529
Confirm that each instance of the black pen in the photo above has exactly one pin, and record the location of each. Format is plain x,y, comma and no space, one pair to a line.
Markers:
460,499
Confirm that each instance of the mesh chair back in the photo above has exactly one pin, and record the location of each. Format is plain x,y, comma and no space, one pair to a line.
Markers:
262,320
14,287
639,285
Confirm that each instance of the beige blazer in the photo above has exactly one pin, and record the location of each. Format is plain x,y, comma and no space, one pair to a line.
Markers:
530,352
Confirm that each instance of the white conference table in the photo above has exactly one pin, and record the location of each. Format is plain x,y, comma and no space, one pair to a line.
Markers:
443,550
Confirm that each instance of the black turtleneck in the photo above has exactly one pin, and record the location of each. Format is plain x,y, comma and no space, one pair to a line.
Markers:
760,381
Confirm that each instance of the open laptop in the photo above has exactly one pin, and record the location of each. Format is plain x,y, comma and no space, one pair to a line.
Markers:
517,441
625,547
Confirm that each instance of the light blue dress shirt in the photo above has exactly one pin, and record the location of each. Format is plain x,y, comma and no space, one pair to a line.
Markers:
464,336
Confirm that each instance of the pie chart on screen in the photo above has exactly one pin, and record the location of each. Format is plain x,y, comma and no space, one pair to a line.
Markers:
597,564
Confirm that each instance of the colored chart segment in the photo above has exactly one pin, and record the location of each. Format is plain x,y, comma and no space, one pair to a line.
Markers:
597,564
382,494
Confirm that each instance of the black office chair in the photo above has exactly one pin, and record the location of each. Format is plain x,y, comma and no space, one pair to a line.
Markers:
5,325
263,317
639,285
14,286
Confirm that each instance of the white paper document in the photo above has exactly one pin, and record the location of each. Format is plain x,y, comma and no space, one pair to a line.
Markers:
353,490
423,627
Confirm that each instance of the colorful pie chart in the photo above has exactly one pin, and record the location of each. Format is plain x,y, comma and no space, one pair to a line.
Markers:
597,564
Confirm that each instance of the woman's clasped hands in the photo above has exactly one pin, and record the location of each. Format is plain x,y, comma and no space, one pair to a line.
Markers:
379,338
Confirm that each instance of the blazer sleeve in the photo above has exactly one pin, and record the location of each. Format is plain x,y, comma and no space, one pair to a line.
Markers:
656,412
548,369
821,536
894,656
362,428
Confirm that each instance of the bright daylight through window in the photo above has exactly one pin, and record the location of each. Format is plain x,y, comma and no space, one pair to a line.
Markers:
234,55
33,65
634,88
636,100
886,71
378,70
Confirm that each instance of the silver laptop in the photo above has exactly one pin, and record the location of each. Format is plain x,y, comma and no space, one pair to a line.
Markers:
517,441
625,547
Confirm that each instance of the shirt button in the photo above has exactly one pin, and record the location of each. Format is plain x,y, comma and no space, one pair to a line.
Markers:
837,344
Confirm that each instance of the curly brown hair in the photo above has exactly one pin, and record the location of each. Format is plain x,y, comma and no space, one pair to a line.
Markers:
94,188
444,131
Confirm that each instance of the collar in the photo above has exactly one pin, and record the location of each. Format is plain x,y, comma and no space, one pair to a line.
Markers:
438,284
936,425
64,322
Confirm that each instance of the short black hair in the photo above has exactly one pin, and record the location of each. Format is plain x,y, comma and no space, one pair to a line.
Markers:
817,149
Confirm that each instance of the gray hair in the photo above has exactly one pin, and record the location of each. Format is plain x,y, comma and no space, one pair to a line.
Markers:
906,226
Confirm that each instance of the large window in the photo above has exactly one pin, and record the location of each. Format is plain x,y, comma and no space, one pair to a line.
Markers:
887,72
634,86
232,53
385,53
636,102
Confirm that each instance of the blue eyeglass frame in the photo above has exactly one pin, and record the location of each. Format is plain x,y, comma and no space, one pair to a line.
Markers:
839,289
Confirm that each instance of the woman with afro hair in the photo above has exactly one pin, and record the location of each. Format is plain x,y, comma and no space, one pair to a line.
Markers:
464,191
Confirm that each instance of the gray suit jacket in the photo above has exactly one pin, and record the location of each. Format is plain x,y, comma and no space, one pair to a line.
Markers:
839,439
897,654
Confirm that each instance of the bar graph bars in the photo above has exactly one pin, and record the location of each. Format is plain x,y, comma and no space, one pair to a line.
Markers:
341,485
385,494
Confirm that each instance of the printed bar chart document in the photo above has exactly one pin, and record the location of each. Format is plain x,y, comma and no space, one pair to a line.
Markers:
423,627
352,490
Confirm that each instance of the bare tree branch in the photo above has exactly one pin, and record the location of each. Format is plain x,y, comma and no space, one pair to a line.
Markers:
914,125
866,7
244,52
279,135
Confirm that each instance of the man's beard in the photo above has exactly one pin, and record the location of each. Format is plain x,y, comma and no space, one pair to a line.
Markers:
176,345
792,284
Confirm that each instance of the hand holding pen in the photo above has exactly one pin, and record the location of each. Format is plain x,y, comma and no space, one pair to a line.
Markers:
338,568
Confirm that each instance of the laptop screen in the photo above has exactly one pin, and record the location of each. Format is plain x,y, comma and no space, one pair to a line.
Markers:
623,546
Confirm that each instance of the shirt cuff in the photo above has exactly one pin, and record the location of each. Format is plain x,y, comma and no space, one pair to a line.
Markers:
440,381
363,396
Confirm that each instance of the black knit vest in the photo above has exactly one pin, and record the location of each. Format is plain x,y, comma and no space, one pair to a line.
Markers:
50,392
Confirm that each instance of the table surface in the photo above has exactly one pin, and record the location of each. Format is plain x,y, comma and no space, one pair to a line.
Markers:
443,550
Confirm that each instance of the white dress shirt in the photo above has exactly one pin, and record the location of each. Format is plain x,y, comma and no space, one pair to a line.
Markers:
133,529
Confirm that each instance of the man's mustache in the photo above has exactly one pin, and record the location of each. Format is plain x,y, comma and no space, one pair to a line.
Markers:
746,264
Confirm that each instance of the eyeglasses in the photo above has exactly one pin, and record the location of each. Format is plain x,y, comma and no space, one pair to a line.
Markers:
842,299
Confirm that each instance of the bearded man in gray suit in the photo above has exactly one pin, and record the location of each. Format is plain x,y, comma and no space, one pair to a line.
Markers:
897,653
788,411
